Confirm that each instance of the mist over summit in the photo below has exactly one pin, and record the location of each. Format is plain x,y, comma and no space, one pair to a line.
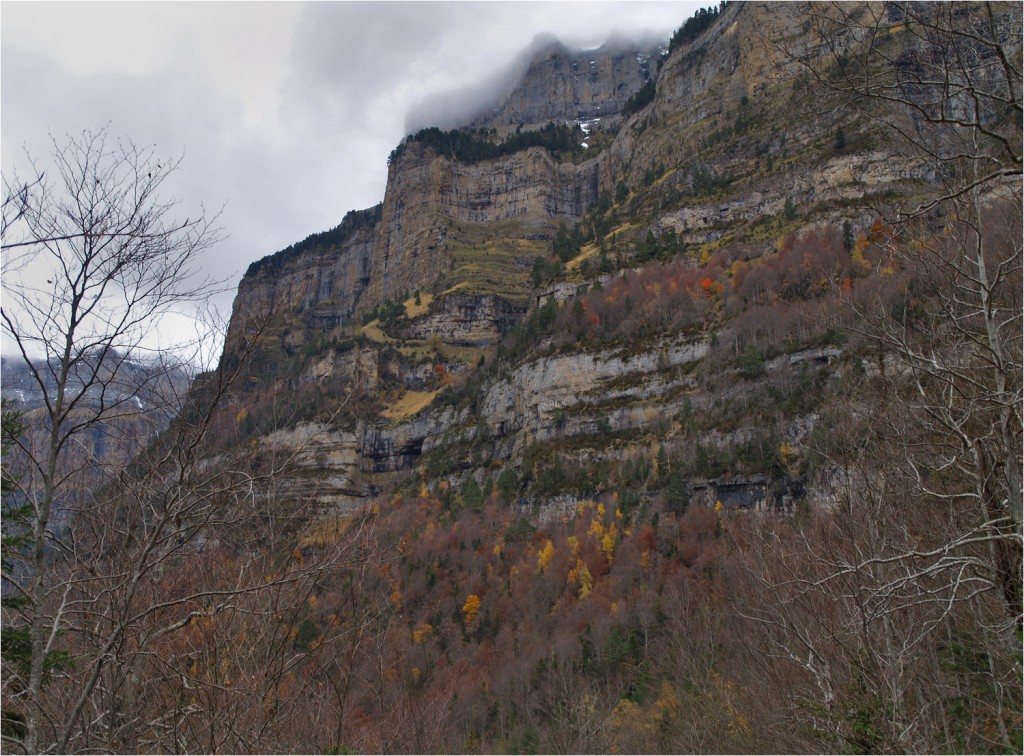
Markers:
550,80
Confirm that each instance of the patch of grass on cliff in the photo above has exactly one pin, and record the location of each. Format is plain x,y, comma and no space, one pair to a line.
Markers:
374,332
414,310
587,252
423,349
453,289
499,266
467,355
428,351
409,404
620,236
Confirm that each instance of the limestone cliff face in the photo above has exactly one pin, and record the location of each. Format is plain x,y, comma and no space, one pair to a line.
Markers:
845,177
561,84
321,281
733,103
403,245
575,395
409,249
428,194
325,466
738,56
704,78
465,235
528,186
563,395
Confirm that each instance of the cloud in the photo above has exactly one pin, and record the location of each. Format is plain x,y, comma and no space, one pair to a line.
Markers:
451,108
286,112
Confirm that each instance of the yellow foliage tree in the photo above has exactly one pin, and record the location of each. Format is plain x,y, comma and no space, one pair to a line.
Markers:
544,556
608,545
857,254
636,728
470,609
574,545
787,455
632,729
581,578
420,634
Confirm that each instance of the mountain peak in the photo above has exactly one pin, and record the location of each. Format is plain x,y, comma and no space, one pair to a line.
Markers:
549,81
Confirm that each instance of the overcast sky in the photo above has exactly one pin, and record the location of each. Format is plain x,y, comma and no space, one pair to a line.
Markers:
285,111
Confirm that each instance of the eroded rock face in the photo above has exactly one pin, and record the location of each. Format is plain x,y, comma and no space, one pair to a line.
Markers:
393,448
469,320
537,395
324,466
528,186
561,84
551,397
732,59
843,177
446,227
569,395
323,284
429,195
758,492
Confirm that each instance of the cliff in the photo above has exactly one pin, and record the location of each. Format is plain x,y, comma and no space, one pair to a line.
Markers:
444,225
549,82
452,286
561,84
539,454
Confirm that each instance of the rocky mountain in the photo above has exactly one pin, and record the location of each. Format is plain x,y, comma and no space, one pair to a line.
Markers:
561,84
121,380
138,399
459,253
551,82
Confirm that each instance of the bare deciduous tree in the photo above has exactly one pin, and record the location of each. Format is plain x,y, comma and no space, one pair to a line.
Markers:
92,258
946,78
132,537
861,610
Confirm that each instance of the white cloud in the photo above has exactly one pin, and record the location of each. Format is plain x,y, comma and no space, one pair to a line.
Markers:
286,111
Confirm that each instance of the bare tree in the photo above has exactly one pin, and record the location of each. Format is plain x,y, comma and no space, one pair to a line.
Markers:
946,81
92,259
132,536
878,624
944,77
860,610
